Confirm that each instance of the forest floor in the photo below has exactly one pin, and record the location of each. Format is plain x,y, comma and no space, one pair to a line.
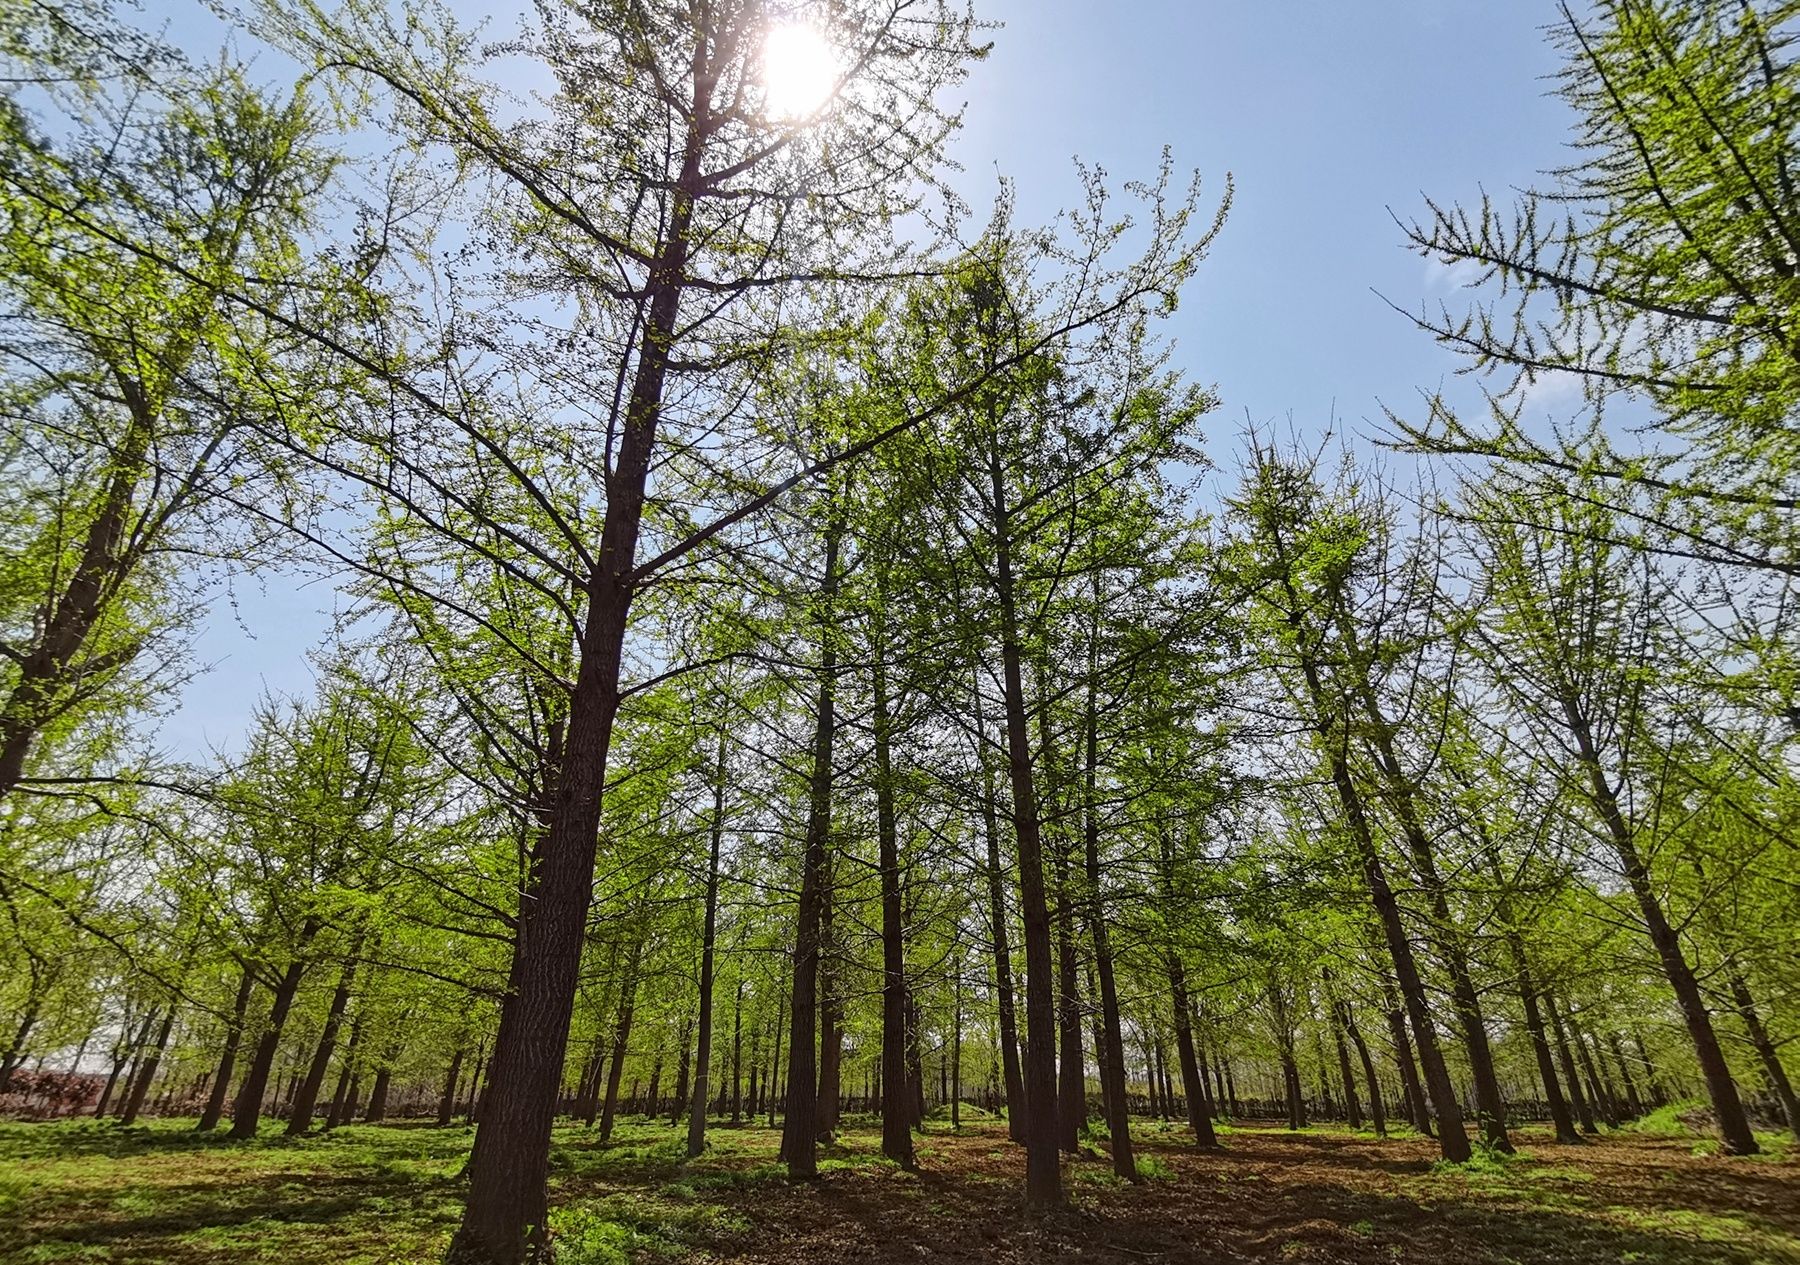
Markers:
89,1191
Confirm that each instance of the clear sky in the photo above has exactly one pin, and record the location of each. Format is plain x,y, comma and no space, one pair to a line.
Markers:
1326,112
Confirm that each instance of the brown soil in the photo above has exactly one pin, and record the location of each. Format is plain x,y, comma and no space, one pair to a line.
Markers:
1268,1195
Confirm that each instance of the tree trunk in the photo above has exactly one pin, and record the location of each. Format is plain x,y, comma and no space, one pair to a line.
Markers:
915,1066
121,1056
447,1103
831,1021
621,1041
587,1087
752,1098
1734,1125
1412,1093
134,1102
1291,1087
300,1118
479,1084
1453,1142
234,1036
1290,1070
1377,1109
775,1094
1765,1050
1193,1077
696,1132
1112,1072
1599,1091
378,1093
1540,1043
1003,980
1633,1103
1658,1098
737,1055
1043,1172
246,1111
41,680
683,1100
14,1057
896,1130
1071,1084
343,1100
956,1021
1490,1106
799,1134
1352,1108
1152,1072
1579,1100
508,1169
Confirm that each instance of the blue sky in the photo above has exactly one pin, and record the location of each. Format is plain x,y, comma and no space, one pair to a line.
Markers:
1326,112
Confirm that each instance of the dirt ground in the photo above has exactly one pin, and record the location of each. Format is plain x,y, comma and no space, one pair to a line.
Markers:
1270,1195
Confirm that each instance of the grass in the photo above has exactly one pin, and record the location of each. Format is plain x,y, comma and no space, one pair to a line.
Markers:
93,1191
391,1194
1674,1121
87,1190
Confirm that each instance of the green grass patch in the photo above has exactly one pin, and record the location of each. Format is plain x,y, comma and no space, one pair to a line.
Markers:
1153,1169
1666,1122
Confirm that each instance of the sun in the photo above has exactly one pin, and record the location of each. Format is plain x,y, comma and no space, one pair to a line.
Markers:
799,70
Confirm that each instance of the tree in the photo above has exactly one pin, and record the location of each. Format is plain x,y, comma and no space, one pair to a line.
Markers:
1575,634
133,384
1300,555
1661,267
